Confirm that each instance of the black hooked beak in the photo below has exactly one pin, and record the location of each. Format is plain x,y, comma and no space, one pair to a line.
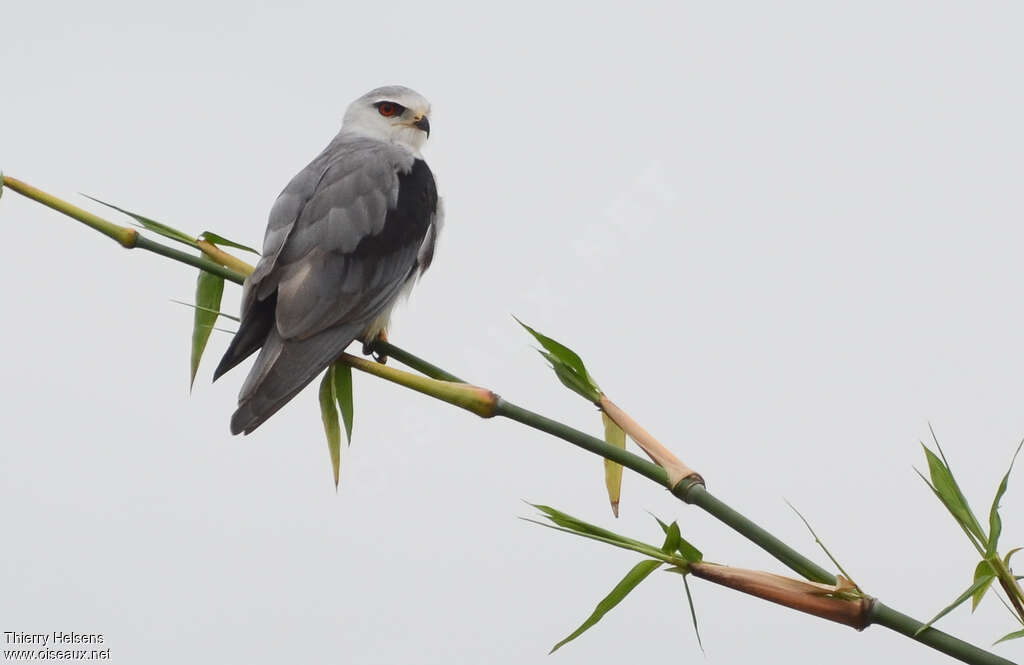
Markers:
423,123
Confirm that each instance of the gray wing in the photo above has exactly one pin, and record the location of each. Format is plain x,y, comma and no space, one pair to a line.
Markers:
339,247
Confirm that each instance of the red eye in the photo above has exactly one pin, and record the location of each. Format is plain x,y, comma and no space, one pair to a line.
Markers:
387,109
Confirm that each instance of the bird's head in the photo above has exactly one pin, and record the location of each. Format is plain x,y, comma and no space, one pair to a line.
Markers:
393,113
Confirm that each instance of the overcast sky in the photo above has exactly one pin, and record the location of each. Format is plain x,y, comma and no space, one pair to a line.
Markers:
785,239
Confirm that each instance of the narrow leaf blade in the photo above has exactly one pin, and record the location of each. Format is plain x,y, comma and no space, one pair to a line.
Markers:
343,393
960,599
151,224
565,361
221,241
693,613
635,576
983,570
1016,635
689,552
614,435
207,309
995,523
329,414
686,549
672,539
209,290
949,493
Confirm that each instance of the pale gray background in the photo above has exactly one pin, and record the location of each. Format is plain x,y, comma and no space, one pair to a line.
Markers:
784,238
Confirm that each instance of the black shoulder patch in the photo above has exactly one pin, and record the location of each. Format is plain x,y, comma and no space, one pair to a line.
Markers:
406,224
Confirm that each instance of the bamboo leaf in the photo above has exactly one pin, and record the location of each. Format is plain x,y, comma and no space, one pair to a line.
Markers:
567,364
343,393
821,543
949,493
614,435
1006,559
693,613
633,546
151,224
1011,636
221,241
970,536
995,523
207,309
581,527
978,583
329,414
982,571
690,553
570,379
672,539
209,289
635,576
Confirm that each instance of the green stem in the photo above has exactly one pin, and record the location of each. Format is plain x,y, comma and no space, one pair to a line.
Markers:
690,492
409,360
700,497
201,262
936,639
696,494
480,401
125,236
585,441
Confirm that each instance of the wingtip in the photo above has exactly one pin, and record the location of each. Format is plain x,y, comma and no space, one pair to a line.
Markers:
244,420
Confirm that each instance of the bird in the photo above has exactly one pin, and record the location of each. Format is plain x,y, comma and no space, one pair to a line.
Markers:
346,239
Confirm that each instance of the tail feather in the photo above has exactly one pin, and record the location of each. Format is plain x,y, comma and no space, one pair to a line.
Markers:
282,369
251,335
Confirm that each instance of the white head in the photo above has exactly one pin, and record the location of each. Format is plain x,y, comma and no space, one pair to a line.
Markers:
393,113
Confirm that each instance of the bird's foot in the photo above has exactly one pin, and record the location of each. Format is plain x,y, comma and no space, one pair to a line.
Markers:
368,350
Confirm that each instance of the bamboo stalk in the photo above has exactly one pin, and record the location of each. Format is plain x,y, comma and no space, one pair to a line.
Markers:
229,261
802,596
675,468
882,615
125,236
480,401
487,404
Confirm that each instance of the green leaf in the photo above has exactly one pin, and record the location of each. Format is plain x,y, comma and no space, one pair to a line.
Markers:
633,546
579,526
664,527
343,393
1010,636
329,414
672,539
821,543
570,524
221,241
151,225
1006,559
948,491
635,576
693,613
690,553
208,309
614,435
209,289
982,571
568,366
995,524
978,583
